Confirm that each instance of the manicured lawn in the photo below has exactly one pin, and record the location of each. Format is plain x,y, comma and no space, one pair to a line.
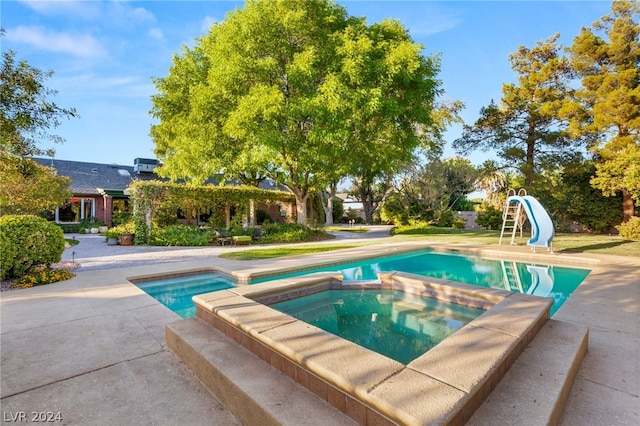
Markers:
575,243
282,251
346,229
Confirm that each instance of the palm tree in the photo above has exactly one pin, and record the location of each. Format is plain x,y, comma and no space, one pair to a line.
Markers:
493,181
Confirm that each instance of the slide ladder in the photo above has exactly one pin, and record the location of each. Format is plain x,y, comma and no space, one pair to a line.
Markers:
513,216
517,207
511,276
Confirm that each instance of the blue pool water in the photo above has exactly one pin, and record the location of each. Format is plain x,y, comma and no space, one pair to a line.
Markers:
554,282
176,293
395,324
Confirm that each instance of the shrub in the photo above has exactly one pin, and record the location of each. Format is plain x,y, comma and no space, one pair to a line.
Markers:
120,218
69,228
179,235
421,228
458,223
41,277
290,233
28,241
446,219
630,230
491,218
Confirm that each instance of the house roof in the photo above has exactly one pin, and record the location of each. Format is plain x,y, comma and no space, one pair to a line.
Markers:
96,178
113,179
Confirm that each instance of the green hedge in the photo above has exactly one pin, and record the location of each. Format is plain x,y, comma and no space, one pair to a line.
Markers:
179,235
630,230
28,241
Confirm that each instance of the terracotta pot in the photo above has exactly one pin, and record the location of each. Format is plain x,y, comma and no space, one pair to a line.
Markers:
126,239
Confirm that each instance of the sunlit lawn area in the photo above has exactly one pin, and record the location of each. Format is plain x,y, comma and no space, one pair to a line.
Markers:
346,229
585,243
282,251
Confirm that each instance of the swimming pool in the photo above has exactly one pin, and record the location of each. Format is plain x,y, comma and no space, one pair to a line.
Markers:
176,292
554,282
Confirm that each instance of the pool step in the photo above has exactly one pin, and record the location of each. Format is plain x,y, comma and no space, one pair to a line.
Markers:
254,392
535,389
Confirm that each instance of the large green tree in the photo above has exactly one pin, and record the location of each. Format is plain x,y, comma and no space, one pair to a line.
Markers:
607,59
524,128
26,111
294,90
252,98
381,98
26,116
29,188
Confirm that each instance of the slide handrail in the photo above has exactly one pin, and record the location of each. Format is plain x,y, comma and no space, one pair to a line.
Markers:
542,230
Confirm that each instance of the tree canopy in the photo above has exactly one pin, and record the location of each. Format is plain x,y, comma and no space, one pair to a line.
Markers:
26,115
297,91
606,57
430,191
30,188
26,112
524,127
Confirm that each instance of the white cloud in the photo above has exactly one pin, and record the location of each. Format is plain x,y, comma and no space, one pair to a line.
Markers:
156,34
81,45
122,14
103,86
116,11
78,8
427,20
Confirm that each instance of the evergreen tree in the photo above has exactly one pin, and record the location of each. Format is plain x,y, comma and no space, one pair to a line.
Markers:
524,128
607,108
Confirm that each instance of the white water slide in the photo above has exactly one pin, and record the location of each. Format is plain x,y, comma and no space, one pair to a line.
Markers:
542,230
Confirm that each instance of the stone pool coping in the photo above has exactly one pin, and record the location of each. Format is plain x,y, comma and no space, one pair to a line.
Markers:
326,259
445,385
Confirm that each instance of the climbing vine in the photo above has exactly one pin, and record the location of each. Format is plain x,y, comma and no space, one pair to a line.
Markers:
154,200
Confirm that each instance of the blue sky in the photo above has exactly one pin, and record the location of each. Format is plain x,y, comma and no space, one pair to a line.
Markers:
105,53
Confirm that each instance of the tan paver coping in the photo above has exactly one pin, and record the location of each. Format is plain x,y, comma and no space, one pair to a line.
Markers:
445,385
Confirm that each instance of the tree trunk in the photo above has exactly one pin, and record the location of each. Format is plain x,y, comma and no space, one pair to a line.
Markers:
252,213
528,167
327,205
301,206
328,208
627,205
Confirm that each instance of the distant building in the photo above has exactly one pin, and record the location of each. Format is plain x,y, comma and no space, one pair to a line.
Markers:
351,204
100,190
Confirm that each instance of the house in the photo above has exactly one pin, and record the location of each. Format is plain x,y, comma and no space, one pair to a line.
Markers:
100,190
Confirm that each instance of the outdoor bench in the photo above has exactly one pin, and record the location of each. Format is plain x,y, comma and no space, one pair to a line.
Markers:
241,239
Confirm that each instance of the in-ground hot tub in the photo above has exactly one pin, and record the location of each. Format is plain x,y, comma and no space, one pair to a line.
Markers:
444,385
399,325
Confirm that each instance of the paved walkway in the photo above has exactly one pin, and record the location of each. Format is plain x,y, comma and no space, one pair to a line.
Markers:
92,348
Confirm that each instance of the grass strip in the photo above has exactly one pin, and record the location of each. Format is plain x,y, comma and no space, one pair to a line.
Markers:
564,242
273,252
346,229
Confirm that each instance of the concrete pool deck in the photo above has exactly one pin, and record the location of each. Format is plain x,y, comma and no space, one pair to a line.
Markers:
93,348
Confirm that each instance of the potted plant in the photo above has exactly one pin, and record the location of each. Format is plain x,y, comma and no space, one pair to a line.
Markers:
111,235
126,232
